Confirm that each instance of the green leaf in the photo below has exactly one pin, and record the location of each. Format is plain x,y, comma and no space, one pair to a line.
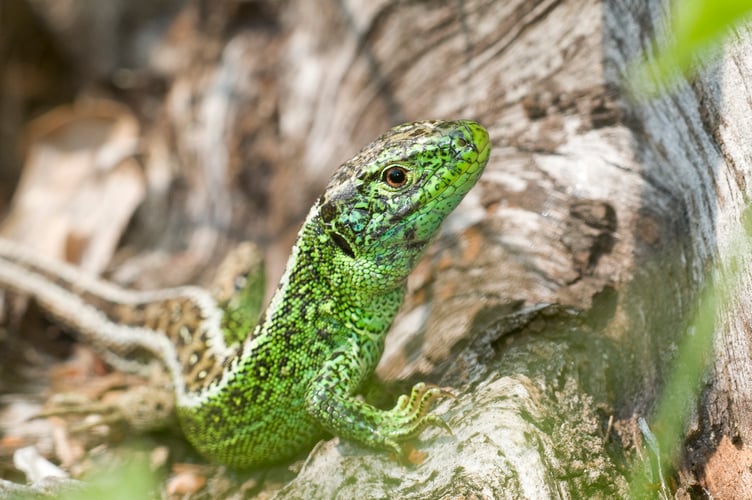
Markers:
696,26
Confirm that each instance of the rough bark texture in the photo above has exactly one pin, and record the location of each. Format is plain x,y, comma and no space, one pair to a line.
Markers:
556,294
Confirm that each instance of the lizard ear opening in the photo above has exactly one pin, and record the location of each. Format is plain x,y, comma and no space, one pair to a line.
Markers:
342,243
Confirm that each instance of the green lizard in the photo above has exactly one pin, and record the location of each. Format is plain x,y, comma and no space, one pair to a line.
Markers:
247,396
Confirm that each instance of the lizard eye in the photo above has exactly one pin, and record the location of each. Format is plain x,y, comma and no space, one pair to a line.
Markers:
395,176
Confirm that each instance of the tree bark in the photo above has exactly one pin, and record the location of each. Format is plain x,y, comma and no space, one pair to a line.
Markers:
556,294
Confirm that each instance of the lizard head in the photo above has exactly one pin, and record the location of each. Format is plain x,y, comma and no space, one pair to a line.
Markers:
383,206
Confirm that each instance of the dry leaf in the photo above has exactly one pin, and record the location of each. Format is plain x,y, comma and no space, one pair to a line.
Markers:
80,184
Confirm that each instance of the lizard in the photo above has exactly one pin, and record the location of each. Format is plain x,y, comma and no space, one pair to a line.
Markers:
248,396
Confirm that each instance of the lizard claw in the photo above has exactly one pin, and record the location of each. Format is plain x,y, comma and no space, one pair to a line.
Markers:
410,415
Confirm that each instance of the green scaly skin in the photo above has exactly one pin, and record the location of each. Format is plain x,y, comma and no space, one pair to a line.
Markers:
275,390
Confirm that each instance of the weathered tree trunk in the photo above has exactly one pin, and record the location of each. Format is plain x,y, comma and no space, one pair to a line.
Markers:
555,296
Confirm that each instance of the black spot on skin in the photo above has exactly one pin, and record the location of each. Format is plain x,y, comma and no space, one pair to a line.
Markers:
328,212
416,133
288,336
262,369
203,336
257,390
215,414
237,396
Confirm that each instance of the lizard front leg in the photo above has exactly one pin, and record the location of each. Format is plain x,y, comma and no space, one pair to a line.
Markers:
330,400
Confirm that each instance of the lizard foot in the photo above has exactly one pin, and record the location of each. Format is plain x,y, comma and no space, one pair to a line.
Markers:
410,415
140,408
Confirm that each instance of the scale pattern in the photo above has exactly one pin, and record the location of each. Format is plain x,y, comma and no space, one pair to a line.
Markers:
249,396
